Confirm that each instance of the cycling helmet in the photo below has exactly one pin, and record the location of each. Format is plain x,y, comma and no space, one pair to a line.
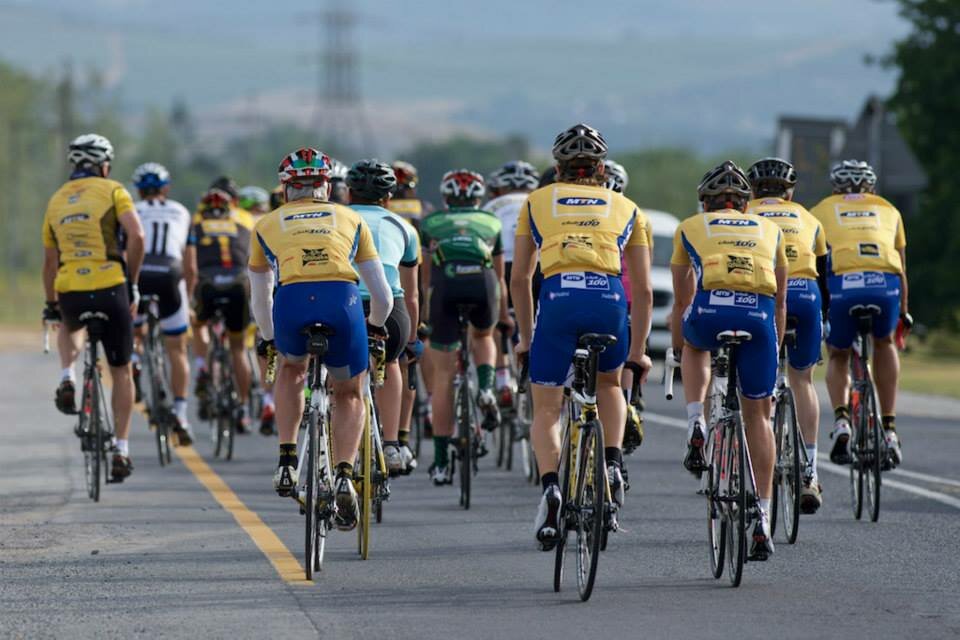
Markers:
617,178
90,148
726,179
579,142
338,170
228,185
371,180
771,175
462,184
254,198
305,162
215,204
406,174
515,175
853,176
150,176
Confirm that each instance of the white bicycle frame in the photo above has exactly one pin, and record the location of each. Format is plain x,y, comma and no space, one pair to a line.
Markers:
319,406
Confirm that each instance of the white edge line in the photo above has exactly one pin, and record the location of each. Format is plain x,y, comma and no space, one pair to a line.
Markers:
826,465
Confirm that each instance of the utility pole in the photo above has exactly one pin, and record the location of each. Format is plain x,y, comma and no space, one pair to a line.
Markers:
66,113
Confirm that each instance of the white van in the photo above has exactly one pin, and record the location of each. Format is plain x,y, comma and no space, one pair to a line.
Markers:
663,225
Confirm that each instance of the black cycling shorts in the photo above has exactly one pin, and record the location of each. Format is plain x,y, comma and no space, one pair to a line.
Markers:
454,285
115,303
534,286
397,326
230,298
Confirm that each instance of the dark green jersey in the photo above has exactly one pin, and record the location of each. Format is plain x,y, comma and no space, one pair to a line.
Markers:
461,235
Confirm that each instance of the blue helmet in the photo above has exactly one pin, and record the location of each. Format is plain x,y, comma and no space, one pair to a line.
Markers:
151,175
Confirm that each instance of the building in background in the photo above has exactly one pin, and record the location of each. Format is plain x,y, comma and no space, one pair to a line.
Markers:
813,145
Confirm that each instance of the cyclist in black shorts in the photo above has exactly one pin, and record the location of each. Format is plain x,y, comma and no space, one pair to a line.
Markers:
466,268
222,244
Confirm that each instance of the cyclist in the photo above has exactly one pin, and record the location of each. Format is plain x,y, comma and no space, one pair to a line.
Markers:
465,268
339,192
256,200
84,270
309,245
169,272
405,202
222,245
867,265
371,183
511,184
581,230
773,181
730,273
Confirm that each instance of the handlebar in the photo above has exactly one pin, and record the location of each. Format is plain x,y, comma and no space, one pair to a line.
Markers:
46,336
270,375
378,352
635,392
670,364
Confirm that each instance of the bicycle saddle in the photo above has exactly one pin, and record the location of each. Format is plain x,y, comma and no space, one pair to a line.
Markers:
734,337
317,335
864,310
597,340
318,329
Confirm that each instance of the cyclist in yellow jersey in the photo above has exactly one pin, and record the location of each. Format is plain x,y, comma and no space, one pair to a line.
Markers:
581,230
308,246
867,266
773,181
730,273
405,202
85,268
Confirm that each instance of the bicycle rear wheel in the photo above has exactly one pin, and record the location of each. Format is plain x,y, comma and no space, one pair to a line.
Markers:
716,524
93,438
788,466
312,506
873,441
589,507
737,511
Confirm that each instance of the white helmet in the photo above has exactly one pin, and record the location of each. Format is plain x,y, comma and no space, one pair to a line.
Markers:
617,178
515,175
90,148
853,176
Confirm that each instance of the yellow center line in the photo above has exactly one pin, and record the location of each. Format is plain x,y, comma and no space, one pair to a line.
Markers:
270,545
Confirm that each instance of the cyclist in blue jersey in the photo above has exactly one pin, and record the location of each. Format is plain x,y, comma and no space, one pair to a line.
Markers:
371,183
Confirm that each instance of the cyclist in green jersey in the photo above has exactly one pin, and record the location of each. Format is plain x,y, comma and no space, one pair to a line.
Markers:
465,268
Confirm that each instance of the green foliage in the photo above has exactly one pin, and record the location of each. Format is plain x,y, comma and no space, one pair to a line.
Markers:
926,104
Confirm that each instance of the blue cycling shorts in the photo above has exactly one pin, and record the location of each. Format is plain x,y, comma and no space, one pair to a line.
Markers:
572,304
335,304
723,310
867,287
803,303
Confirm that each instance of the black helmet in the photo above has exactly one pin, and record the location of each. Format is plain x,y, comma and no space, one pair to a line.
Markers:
770,176
228,185
725,179
853,176
579,142
371,180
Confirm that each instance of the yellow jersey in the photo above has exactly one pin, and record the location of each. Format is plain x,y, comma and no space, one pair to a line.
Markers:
803,236
731,250
864,233
408,208
312,241
82,222
241,216
581,228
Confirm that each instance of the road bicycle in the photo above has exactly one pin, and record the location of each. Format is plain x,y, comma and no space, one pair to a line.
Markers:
467,442
587,506
793,466
371,477
868,448
154,366
224,399
516,415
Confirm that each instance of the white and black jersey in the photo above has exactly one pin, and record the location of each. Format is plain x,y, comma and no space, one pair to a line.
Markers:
166,226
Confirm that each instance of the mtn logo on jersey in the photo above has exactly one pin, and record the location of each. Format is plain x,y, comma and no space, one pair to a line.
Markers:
76,217
308,216
727,298
733,222
858,214
585,280
779,214
582,202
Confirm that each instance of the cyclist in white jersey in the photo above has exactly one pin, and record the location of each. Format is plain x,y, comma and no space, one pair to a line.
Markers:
168,272
510,185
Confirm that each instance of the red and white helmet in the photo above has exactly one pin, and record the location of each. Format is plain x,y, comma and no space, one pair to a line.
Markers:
305,164
462,184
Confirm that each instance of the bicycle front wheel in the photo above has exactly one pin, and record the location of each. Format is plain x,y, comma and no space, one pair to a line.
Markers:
876,453
311,501
737,511
93,438
716,524
589,507
858,453
464,444
365,492
788,467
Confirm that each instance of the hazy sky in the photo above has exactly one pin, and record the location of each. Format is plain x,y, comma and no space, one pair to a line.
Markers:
694,72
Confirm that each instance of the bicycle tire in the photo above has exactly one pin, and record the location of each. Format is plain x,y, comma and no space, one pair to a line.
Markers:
857,451
589,507
365,493
566,471
510,437
872,480
312,499
737,514
464,444
96,454
790,480
716,522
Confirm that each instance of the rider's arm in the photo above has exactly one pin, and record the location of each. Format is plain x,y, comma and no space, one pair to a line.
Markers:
51,262
641,294
504,300
521,287
411,298
780,311
261,298
135,244
684,286
904,288
381,295
190,269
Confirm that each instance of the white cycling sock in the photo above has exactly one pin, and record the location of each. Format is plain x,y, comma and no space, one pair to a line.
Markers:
199,363
267,399
180,409
135,358
764,505
694,414
503,376
123,446
68,374
812,457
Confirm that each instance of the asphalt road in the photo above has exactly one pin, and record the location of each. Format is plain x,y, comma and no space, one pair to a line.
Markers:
160,557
